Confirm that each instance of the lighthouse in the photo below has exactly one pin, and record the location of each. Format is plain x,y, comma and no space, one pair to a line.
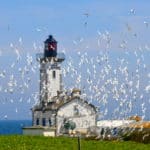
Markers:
57,107
50,71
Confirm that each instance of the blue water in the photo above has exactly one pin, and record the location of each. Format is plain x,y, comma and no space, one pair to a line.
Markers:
13,126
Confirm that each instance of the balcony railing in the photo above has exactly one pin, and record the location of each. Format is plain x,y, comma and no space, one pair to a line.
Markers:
60,56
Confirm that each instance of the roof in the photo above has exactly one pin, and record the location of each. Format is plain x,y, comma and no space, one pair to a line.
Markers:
58,102
50,39
76,97
136,118
141,124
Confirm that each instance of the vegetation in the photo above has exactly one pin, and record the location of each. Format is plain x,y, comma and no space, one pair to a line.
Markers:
20,142
142,136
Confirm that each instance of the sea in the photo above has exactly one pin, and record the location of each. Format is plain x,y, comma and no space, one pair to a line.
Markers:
13,127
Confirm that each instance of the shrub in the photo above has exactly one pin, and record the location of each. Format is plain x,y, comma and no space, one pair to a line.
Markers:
138,136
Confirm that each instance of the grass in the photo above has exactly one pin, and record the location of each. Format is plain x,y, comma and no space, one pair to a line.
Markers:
20,142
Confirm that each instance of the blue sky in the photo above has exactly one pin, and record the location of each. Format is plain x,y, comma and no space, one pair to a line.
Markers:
66,21
27,23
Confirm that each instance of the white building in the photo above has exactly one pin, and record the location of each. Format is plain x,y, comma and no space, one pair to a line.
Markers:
58,112
114,123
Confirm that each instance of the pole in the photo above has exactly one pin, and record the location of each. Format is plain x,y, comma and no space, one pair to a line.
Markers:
78,142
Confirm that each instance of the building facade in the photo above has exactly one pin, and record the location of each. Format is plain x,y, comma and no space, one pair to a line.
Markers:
65,110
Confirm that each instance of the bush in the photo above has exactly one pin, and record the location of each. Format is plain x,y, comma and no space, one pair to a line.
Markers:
137,136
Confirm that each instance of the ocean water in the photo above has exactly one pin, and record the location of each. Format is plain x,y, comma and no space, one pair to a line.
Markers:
13,126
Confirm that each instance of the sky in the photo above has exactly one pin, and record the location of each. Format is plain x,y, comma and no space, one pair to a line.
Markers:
33,20
92,26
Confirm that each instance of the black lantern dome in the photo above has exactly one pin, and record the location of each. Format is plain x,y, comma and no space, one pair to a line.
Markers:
50,49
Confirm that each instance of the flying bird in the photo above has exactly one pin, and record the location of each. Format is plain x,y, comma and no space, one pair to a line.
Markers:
86,14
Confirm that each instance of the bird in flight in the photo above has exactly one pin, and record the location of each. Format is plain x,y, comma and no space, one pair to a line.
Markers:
86,14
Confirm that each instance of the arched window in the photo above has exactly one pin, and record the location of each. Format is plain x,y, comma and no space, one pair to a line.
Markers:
54,74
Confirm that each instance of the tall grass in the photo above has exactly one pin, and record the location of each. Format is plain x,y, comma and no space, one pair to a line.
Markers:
63,143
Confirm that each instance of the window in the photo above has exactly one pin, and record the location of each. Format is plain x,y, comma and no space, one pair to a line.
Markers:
37,121
46,46
54,74
44,121
51,46
76,110
50,122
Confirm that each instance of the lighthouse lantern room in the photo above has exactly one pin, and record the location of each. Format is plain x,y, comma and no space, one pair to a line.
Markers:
50,47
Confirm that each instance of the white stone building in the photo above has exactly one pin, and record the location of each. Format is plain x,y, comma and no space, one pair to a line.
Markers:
63,110
58,112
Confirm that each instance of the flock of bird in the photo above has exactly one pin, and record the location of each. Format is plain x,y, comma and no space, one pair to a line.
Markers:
106,84
118,88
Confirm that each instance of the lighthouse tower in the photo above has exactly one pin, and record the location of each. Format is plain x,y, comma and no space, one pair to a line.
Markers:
50,71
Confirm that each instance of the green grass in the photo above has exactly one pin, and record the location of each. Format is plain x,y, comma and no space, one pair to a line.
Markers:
20,142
